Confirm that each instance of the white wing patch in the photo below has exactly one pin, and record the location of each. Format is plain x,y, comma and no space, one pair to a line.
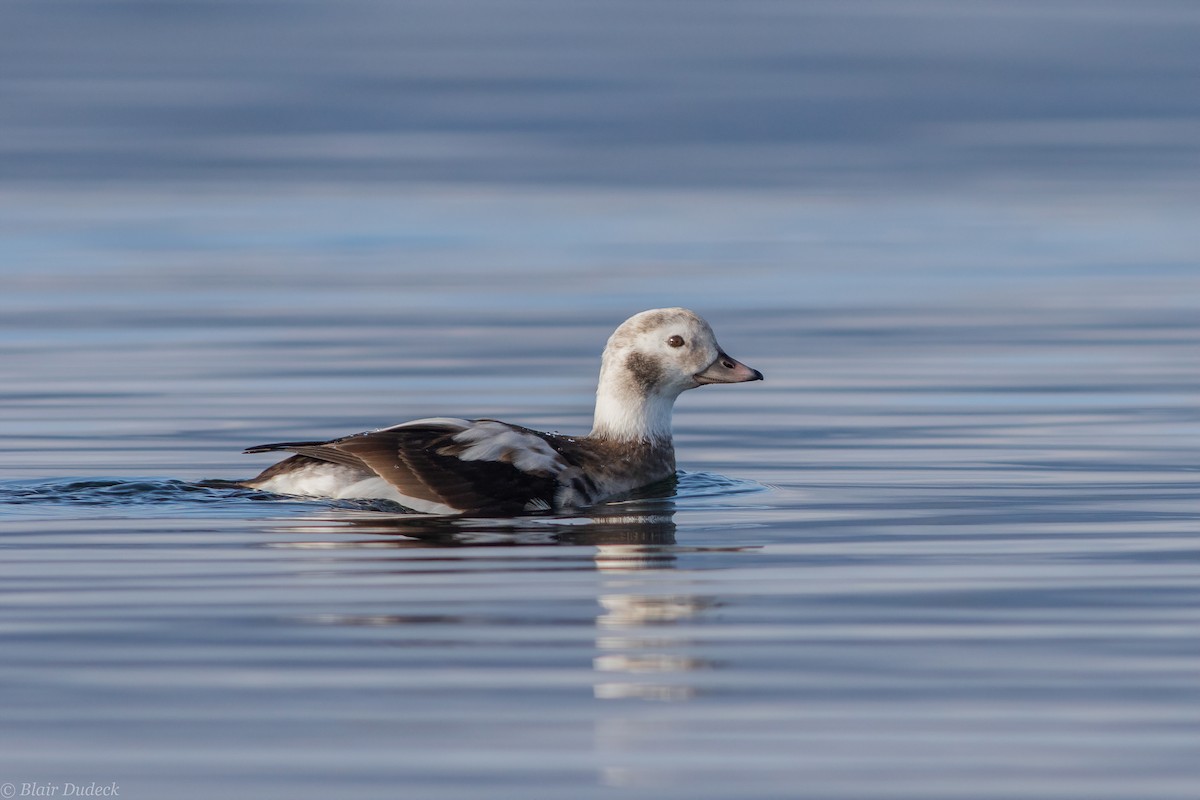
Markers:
495,441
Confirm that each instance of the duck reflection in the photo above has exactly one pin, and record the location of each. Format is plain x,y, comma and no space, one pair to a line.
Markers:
646,527
631,541
644,649
638,658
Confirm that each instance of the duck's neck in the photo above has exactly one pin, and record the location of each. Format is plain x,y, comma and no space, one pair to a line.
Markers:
626,415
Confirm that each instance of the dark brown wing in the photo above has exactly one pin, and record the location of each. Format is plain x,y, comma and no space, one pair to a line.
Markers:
426,462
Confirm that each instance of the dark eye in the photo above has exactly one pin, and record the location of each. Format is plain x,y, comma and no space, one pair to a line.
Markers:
675,341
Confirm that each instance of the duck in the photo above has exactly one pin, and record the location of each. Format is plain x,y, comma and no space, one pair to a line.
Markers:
444,465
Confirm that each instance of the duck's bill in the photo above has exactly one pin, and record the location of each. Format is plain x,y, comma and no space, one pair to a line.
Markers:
727,370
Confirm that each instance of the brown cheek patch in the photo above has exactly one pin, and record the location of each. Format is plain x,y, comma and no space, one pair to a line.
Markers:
645,370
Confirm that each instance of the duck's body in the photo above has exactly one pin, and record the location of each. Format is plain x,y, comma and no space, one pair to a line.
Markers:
449,466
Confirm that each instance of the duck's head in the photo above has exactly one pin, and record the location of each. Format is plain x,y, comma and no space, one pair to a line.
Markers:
650,360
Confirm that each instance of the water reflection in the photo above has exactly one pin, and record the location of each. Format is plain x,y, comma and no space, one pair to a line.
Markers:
636,657
644,524
643,650
644,653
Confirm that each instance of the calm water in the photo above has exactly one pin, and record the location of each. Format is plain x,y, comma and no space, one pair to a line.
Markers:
948,549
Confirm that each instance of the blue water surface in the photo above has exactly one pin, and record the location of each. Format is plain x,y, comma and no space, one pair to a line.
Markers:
947,549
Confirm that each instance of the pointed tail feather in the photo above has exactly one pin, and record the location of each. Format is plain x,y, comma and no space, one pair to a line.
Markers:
267,448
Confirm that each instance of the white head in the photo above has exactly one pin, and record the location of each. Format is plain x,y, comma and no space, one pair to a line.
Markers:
650,360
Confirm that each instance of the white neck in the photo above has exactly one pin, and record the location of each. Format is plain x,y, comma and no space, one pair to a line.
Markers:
627,415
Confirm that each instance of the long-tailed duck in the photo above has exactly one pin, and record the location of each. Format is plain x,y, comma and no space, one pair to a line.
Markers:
451,466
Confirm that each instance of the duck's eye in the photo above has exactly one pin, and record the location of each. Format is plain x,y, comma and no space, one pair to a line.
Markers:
675,341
